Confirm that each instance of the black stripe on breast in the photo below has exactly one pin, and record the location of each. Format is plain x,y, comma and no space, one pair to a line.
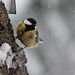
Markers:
28,27
37,36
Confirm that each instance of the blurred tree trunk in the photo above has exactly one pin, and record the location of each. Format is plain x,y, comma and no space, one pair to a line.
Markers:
6,35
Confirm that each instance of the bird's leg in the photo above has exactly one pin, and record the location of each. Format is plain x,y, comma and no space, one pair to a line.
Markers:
16,37
20,49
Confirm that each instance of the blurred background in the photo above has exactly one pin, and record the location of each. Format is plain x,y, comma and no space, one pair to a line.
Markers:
56,26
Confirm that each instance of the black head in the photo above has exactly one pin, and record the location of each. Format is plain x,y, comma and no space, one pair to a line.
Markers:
30,24
32,20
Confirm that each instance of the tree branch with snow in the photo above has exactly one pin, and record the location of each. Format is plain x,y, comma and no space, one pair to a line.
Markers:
11,61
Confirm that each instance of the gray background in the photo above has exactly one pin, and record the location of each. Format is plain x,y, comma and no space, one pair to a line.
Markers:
56,26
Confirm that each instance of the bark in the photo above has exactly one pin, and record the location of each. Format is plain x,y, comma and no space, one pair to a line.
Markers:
6,35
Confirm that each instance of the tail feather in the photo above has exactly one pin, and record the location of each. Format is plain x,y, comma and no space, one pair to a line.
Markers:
40,40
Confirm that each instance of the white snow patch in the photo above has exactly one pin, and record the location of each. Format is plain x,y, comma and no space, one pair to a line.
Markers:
6,57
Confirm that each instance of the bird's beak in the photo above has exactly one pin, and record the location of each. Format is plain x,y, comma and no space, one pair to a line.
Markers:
10,6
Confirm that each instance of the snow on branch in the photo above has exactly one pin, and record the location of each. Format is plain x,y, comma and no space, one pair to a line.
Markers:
10,58
7,56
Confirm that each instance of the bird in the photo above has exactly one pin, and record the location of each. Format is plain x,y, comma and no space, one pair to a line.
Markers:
27,33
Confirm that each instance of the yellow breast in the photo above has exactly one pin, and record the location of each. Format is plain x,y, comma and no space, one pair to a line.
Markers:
29,38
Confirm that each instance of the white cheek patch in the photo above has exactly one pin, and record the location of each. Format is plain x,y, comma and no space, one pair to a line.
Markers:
27,22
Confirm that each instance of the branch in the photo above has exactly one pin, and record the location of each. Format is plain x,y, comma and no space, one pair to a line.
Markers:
7,36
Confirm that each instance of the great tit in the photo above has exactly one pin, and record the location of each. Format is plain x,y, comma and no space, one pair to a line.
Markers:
27,33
